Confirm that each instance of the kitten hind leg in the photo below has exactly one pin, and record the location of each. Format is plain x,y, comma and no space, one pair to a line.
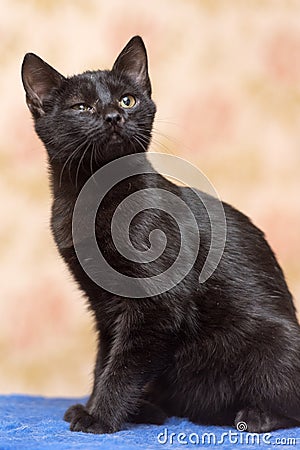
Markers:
255,420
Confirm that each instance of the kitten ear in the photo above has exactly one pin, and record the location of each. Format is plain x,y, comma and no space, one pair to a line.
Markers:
38,80
132,61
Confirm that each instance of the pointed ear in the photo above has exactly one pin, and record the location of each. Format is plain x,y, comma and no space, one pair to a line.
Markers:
132,61
38,80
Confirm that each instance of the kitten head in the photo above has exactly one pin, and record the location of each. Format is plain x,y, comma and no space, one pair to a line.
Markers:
95,117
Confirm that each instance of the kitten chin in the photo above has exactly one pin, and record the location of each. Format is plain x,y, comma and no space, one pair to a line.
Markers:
223,352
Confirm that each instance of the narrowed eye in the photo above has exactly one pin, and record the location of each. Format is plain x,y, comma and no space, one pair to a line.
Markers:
128,101
81,107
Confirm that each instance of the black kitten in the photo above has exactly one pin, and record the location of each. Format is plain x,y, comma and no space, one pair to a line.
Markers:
219,352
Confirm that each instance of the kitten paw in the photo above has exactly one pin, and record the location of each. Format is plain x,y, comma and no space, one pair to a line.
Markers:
254,420
72,411
80,420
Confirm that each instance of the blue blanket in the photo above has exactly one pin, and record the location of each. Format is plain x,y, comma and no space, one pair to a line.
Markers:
36,423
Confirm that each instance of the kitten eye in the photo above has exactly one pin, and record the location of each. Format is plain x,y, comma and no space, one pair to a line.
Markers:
128,101
81,107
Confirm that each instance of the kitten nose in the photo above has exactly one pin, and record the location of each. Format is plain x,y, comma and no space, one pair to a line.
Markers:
113,118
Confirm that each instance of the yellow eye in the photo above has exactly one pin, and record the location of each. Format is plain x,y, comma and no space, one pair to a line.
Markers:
128,101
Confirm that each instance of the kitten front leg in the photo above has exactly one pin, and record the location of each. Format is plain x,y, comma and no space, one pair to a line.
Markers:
82,420
119,389
102,355
102,358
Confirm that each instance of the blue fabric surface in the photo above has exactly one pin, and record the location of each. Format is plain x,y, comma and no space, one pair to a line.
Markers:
36,423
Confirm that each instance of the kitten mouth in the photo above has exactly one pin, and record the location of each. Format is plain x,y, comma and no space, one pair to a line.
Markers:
115,137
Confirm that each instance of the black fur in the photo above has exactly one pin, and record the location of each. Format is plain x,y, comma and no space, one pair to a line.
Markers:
224,351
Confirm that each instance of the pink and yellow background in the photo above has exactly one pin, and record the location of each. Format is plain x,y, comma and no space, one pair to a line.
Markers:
226,80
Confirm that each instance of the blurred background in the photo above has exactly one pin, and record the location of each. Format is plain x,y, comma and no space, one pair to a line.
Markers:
226,80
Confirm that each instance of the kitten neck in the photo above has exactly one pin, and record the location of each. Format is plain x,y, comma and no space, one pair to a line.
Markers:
66,183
